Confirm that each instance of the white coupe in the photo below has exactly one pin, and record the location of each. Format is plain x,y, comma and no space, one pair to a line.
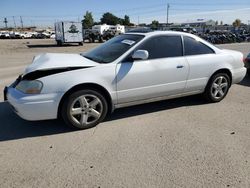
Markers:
130,69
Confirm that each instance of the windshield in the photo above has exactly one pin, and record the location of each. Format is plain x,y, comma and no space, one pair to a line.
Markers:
113,49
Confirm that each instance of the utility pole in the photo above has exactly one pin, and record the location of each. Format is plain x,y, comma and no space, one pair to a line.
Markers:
138,20
6,22
21,20
14,21
168,6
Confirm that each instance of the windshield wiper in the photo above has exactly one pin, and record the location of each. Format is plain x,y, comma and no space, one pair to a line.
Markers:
101,61
90,58
95,60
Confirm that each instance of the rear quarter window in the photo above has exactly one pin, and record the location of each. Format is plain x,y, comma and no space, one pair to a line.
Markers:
194,47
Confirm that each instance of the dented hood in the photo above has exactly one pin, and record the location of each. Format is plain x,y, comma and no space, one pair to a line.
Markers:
51,61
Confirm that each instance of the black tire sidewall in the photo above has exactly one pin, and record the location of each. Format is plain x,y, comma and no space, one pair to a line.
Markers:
65,111
208,94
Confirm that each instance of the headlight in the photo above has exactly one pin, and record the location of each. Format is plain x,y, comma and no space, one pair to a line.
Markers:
30,86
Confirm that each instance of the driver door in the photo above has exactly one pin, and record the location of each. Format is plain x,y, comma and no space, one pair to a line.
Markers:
164,73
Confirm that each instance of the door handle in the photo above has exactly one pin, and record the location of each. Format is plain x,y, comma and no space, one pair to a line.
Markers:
179,66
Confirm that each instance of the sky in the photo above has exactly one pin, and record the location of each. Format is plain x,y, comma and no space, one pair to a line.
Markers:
46,12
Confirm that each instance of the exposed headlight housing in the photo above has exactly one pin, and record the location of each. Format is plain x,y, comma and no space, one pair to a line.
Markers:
30,86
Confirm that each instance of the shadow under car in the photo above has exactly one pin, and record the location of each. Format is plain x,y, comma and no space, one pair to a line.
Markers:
13,127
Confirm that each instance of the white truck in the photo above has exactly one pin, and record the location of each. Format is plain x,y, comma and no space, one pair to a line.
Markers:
68,32
100,28
115,28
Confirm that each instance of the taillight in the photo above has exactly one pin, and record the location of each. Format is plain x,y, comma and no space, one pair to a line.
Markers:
245,60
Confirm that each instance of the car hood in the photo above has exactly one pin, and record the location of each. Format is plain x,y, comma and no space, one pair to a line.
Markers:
53,61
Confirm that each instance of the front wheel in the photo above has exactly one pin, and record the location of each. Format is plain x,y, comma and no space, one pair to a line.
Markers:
84,109
217,87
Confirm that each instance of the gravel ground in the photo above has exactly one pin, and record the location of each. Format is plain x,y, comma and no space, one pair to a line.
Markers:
176,143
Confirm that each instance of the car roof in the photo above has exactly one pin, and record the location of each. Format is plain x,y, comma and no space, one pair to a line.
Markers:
155,33
152,33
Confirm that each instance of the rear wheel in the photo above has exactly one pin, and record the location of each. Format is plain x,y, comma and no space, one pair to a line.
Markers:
217,87
84,109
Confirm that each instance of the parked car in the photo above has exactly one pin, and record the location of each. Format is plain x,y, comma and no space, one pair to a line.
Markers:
53,36
15,35
1,35
41,36
129,69
26,35
247,64
4,35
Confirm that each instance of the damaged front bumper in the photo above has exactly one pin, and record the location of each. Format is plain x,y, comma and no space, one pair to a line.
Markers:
32,107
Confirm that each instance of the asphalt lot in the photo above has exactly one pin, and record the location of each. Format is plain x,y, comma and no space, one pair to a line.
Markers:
176,143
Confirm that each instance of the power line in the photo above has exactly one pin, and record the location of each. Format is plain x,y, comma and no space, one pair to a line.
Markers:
209,4
137,12
135,9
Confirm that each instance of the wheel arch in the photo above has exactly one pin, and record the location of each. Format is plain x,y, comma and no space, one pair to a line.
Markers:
223,70
92,86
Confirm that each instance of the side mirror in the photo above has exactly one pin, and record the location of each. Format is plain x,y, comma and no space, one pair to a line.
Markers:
140,55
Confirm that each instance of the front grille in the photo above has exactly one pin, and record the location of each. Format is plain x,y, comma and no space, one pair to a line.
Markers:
17,81
5,93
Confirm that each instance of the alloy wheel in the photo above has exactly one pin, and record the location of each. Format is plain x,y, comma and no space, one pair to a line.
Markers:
86,109
219,87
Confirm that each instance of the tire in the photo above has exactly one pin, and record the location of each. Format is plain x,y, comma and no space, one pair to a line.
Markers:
217,87
248,71
90,108
90,40
100,39
80,43
59,43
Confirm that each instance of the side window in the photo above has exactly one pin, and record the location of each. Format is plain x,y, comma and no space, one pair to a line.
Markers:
163,46
194,47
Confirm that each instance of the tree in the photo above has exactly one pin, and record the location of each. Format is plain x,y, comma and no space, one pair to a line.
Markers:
216,23
88,20
126,20
121,21
97,23
237,23
221,22
155,24
110,19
